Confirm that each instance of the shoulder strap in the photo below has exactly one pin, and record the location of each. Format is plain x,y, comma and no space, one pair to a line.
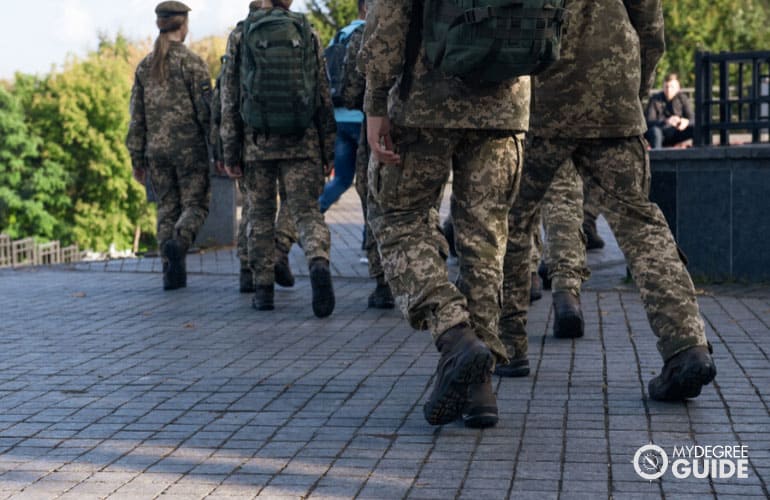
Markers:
412,50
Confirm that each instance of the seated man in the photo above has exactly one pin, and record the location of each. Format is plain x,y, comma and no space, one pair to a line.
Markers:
669,116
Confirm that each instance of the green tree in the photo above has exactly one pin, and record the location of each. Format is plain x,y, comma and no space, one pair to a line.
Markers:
81,114
710,25
31,186
330,16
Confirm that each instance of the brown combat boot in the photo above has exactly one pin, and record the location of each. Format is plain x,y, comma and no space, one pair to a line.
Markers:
517,344
568,317
323,291
684,375
480,411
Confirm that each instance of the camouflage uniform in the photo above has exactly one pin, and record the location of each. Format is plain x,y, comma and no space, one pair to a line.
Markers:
168,135
295,161
285,230
441,124
609,55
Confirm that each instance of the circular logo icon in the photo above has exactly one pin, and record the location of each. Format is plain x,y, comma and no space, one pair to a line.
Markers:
650,462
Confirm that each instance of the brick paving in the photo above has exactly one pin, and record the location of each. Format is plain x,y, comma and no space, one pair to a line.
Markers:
111,388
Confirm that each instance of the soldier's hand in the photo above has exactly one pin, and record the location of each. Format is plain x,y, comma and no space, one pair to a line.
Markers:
234,171
378,136
140,175
328,168
219,166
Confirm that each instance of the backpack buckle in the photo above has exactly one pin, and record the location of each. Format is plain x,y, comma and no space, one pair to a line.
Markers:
473,16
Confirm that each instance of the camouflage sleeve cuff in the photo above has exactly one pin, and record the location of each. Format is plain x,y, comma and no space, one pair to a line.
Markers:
375,101
231,158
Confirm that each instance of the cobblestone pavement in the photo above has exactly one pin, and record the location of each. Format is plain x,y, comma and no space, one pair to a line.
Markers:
110,387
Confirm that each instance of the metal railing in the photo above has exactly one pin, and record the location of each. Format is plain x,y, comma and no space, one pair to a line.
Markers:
732,96
26,252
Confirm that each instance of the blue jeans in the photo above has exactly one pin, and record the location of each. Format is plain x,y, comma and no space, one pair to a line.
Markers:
344,164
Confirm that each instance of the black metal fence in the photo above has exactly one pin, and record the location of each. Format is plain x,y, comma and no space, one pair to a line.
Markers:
732,97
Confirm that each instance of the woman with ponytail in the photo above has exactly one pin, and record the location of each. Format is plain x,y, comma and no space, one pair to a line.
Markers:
167,137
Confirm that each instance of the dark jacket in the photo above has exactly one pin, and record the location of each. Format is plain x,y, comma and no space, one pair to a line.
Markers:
659,109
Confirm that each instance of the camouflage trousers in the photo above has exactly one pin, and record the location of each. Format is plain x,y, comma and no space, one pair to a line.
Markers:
402,214
362,188
285,230
183,190
619,170
302,179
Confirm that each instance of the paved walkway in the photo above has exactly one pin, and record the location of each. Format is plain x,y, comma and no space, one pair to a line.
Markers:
110,387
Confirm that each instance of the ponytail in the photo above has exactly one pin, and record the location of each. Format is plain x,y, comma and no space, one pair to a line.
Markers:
166,25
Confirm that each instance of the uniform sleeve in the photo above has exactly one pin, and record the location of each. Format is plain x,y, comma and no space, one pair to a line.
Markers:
383,52
200,85
647,18
137,127
327,125
231,126
355,84
216,119
687,111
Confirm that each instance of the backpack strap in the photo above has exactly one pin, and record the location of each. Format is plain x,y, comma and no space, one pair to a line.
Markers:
412,50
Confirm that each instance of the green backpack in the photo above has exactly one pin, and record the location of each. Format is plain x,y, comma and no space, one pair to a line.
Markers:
279,72
491,41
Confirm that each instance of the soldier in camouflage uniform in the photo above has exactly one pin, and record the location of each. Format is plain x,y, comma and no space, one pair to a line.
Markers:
416,136
167,137
285,231
609,55
300,162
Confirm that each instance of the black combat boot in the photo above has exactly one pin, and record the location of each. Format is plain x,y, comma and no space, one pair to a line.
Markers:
517,345
535,288
465,360
247,280
321,283
263,298
283,275
568,317
481,409
593,240
175,268
684,375
542,271
382,297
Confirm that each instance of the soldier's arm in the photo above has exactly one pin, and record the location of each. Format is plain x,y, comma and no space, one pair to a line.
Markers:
231,126
137,128
201,94
327,125
647,18
353,90
383,52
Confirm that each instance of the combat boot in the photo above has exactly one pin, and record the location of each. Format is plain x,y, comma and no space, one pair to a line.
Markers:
542,271
535,288
593,240
382,297
283,274
247,280
481,409
321,283
174,268
568,317
684,375
517,345
465,360
263,298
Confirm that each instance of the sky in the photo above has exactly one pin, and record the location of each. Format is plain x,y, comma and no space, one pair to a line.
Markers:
35,35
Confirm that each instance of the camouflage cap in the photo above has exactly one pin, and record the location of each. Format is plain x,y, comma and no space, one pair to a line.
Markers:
168,9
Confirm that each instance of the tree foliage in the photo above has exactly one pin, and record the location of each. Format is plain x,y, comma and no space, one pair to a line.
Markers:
711,25
330,16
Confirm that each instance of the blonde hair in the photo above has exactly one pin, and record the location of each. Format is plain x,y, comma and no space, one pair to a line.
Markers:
166,25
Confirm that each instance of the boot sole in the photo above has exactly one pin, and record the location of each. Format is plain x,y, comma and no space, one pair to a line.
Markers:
512,372
568,327
481,418
284,280
686,384
451,394
323,292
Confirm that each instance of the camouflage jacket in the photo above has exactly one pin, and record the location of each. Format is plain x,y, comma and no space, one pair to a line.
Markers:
434,100
171,118
241,145
355,82
609,52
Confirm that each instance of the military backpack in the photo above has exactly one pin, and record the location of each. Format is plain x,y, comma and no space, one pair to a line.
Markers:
491,41
336,61
279,72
